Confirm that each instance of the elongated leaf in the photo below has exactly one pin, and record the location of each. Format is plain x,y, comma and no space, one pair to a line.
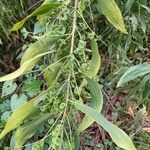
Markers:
38,145
50,73
119,137
21,114
129,4
95,63
82,5
134,72
110,9
145,7
42,45
44,8
23,69
96,103
26,131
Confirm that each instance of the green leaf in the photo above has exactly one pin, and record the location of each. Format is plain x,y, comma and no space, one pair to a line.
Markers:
129,5
146,90
134,72
50,73
145,7
82,5
32,86
8,88
44,8
38,145
119,137
17,100
5,116
96,103
44,44
21,113
26,131
95,62
110,9
23,69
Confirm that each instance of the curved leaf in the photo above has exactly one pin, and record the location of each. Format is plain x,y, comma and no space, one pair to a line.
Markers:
43,44
96,103
50,73
23,69
44,8
119,137
95,63
110,9
26,131
21,113
134,72
81,5
95,60
129,5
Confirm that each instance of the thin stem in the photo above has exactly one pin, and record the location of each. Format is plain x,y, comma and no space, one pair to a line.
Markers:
74,26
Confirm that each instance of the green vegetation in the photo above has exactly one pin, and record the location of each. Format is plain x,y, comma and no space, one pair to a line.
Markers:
83,81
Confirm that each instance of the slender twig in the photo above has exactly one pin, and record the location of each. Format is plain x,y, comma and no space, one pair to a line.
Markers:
34,5
108,99
71,52
74,26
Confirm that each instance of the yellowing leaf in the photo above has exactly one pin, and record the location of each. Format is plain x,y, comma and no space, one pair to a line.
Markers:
96,103
26,131
110,9
119,137
82,5
23,69
129,5
44,8
42,45
21,113
134,72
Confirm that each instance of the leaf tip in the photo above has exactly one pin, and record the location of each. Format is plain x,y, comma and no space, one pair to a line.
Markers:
18,25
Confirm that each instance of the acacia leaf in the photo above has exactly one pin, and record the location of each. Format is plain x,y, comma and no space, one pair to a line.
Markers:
96,103
44,44
27,130
82,5
50,73
95,62
129,5
119,137
44,8
21,113
111,11
145,7
23,69
134,72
